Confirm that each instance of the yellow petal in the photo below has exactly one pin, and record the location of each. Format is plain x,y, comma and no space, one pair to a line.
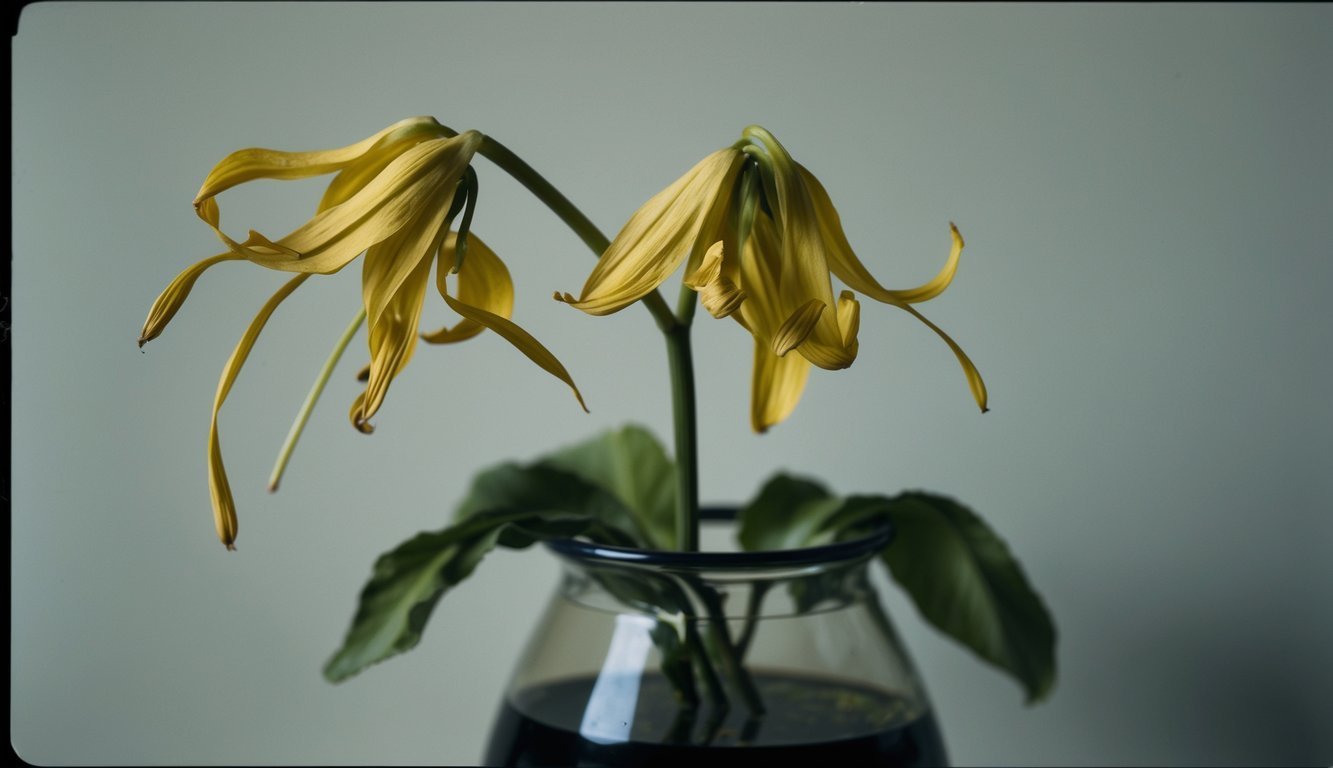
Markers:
171,299
775,386
394,281
359,172
224,508
849,319
717,289
521,339
974,381
421,178
257,163
843,262
483,282
797,327
676,224
805,272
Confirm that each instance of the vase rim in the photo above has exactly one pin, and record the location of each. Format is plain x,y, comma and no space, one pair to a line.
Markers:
841,551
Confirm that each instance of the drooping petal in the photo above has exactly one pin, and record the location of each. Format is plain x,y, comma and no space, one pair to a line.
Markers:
483,282
776,382
171,298
394,280
775,386
258,163
677,224
224,508
521,339
421,178
355,175
805,277
974,380
849,269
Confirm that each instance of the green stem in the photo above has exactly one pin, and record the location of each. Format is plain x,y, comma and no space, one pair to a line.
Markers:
312,397
687,461
676,329
573,218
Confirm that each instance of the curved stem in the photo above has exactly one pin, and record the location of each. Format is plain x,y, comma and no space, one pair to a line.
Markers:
573,218
675,327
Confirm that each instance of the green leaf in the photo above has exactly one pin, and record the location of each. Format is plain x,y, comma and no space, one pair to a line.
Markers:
788,513
409,580
965,582
510,486
633,466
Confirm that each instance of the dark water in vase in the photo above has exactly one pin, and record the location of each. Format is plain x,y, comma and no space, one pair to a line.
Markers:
809,722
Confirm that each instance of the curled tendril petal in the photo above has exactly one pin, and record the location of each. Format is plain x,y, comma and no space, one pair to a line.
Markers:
224,508
716,285
169,302
849,269
483,282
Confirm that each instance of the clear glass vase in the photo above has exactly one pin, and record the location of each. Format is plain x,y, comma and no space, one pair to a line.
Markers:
669,658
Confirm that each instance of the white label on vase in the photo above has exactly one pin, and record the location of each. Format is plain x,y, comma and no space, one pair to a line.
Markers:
610,713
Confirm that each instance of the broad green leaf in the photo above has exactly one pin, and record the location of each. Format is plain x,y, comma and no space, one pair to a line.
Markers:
965,582
510,486
409,580
632,465
788,513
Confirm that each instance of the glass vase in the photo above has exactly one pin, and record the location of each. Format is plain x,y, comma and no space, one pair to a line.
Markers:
650,658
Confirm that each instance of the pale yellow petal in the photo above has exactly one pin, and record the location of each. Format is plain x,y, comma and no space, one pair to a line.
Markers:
797,327
775,386
675,225
974,380
421,178
171,299
258,163
224,508
717,287
394,298
805,276
359,172
521,339
483,282
849,269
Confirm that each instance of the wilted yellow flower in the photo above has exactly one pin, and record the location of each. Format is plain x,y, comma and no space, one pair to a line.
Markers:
394,198
761,241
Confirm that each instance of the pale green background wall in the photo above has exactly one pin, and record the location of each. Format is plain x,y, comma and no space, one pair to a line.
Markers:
1146,193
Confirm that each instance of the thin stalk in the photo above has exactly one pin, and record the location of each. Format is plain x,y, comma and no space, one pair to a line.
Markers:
316,389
